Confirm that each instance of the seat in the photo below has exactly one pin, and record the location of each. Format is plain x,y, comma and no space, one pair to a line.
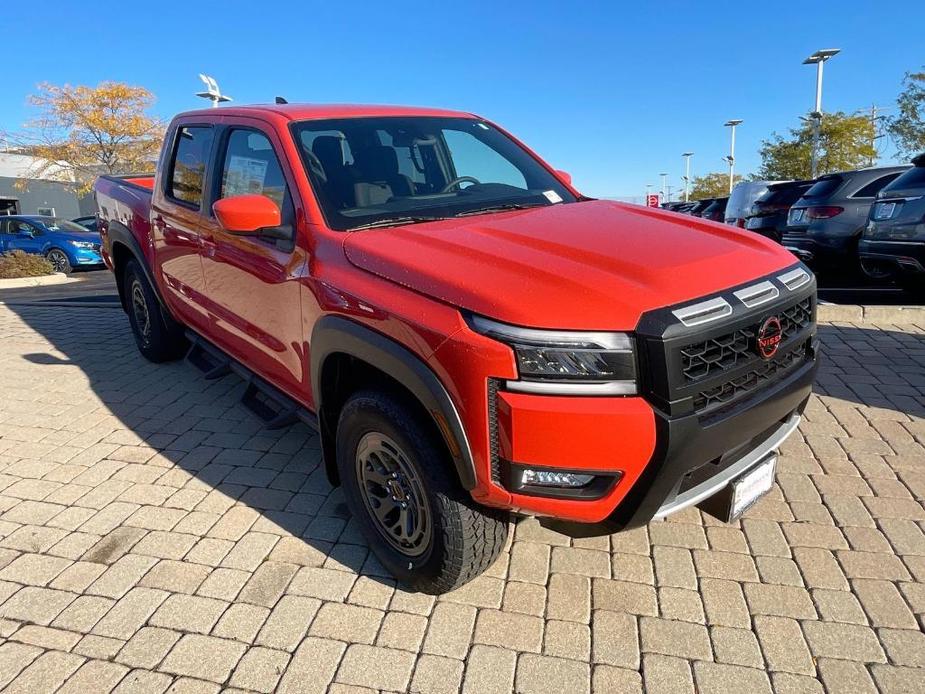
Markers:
377,176
339,185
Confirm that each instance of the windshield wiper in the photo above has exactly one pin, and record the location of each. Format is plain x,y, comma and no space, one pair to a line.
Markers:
393,221
502,207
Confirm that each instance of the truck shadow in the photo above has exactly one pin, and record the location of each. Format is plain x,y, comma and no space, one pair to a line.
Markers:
145,416
148,417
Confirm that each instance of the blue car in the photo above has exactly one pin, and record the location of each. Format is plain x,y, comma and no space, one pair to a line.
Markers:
66,245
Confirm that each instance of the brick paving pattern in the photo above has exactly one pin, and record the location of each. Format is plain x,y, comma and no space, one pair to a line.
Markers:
153,537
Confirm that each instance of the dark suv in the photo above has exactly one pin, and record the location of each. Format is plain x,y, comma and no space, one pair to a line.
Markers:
768,214
716,210
823,226
893,244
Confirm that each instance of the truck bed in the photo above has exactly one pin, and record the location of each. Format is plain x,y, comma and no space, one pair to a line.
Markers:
124,209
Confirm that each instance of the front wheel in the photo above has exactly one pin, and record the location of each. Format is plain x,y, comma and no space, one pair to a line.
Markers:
400,484
59,261
158,339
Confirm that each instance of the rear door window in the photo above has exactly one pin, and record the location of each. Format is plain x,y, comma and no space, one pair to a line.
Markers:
875,186
188,166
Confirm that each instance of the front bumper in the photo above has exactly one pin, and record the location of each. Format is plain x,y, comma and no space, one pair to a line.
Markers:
696,459
82,256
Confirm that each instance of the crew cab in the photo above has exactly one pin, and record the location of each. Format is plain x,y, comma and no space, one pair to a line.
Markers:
470,335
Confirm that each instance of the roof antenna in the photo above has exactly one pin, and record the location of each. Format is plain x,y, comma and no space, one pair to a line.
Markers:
212,92
281,100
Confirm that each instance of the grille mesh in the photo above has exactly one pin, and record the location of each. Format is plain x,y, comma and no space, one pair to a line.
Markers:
755,377
709,357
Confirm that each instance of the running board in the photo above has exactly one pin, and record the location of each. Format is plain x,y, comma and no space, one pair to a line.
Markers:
212,363
266,402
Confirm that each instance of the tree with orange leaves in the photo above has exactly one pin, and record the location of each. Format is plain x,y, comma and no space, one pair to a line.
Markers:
90,131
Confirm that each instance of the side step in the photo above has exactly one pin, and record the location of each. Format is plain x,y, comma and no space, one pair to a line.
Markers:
266,402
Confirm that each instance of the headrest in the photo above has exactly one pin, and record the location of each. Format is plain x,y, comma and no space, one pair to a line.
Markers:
377,163
329,150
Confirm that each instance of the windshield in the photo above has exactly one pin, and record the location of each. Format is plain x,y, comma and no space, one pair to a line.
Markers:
371,171
62,225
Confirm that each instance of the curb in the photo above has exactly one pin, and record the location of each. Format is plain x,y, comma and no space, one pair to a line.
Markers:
51,303
901,315
20,282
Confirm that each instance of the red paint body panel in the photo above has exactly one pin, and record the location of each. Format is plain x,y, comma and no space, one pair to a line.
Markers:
589,265
581,433
585,265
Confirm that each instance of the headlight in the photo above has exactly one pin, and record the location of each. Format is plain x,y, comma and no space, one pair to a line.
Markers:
566,362
82,244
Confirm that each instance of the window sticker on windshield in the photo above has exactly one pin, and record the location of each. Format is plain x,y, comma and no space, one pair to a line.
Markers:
244,176
552,196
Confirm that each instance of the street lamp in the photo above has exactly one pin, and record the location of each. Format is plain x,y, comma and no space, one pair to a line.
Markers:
687,175
665,186
818,59
732,149
212,92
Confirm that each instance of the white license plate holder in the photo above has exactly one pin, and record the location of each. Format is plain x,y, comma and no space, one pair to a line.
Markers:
743,492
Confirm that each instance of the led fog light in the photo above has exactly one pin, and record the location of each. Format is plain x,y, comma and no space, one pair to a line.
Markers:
546,478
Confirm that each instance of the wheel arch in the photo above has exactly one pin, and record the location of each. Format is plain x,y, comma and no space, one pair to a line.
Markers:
123,247
338,342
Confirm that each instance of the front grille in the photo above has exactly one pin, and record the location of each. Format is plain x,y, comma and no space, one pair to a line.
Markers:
761,373
709,357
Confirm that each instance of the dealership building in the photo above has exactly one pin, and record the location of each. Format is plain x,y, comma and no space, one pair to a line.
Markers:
51,193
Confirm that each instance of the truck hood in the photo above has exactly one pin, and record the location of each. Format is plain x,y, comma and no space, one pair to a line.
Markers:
586,265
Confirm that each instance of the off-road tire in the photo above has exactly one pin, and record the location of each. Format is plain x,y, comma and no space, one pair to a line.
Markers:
159,339
466,538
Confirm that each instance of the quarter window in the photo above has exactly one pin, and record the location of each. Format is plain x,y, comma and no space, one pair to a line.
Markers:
188,172
874,187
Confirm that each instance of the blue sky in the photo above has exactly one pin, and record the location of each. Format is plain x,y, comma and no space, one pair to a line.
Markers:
611,92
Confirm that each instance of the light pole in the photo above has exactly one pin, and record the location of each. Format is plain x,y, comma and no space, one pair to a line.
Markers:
665,186
212,92
818,59
687,175
732,149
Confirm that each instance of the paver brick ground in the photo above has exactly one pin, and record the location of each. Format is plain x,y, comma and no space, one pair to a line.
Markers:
154,536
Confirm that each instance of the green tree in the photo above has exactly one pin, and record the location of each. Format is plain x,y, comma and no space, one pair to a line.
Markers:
711,185
845,143
908,127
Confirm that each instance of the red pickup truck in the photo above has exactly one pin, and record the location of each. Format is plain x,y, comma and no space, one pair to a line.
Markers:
470,335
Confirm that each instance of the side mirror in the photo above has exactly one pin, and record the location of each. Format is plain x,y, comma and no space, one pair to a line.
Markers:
564,176
247,214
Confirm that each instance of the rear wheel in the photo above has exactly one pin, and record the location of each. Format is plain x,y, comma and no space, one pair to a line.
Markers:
158,338
59,261
400,485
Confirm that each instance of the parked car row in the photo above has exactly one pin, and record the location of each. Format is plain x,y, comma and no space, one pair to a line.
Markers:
66,244
870,219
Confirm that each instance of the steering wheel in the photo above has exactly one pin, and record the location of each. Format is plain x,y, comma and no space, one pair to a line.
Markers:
455,183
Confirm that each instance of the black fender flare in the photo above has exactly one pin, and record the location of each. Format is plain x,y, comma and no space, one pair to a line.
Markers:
119,233
334,334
